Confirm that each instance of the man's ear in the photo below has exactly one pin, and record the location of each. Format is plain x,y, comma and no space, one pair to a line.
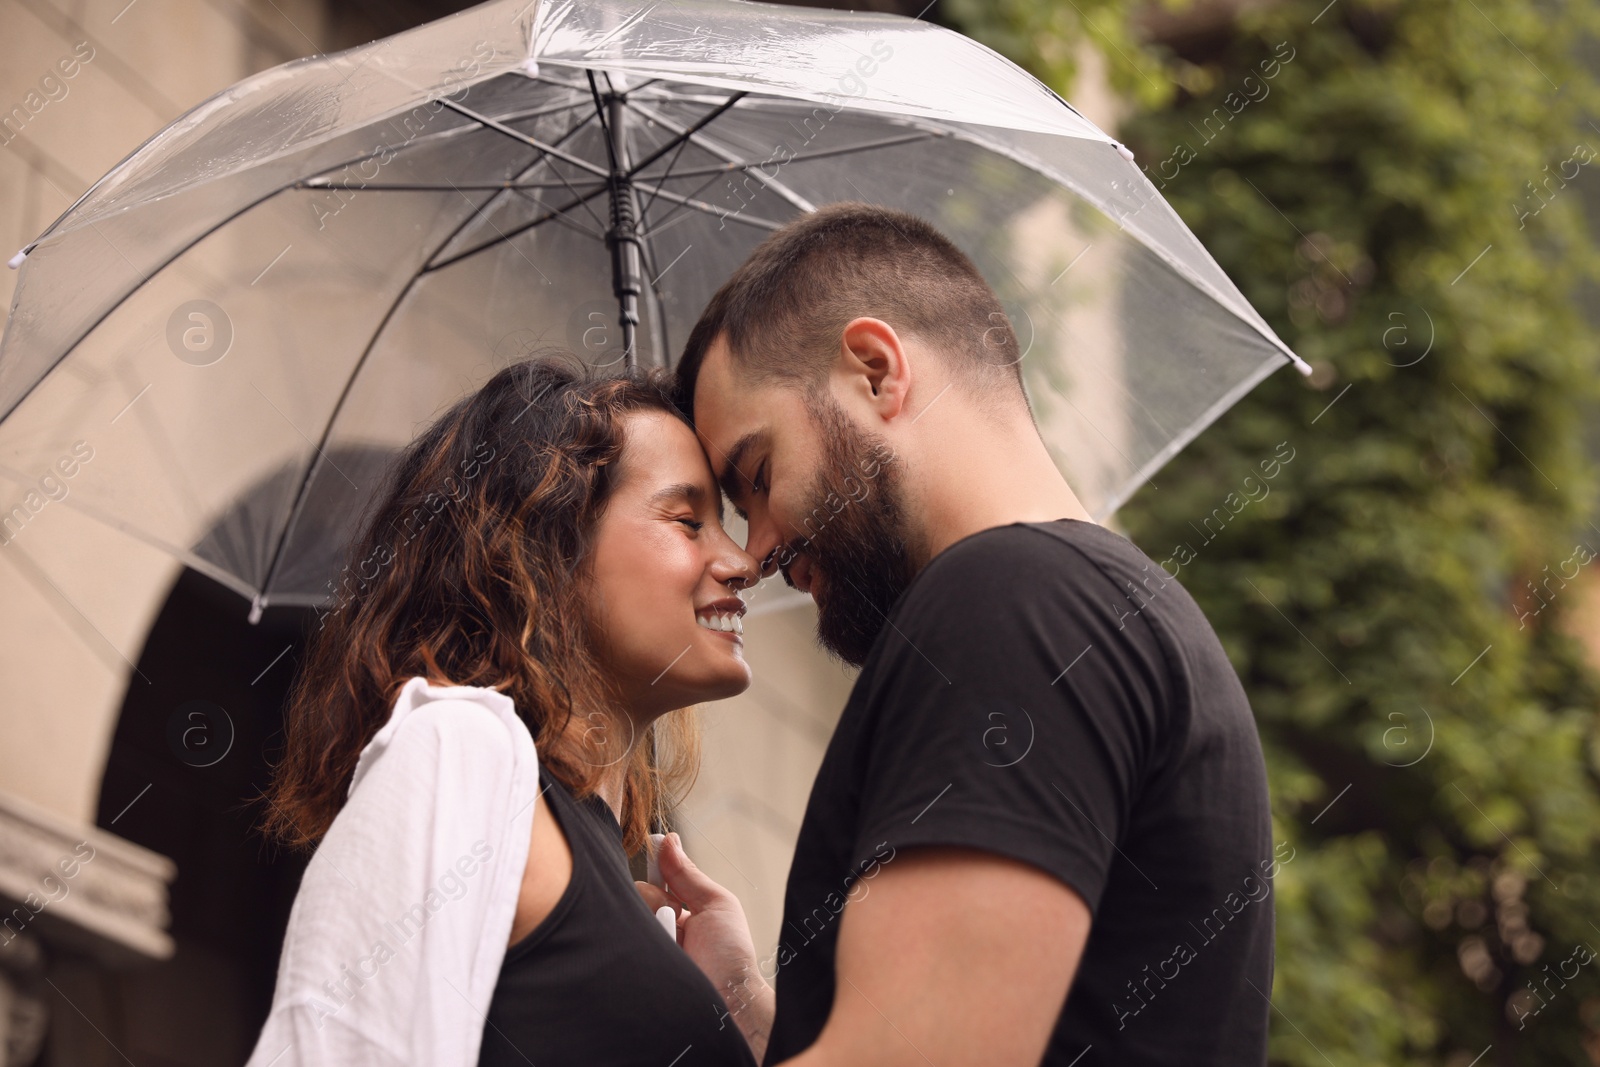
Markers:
873,368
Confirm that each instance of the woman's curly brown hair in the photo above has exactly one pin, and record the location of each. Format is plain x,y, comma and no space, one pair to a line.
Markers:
470,570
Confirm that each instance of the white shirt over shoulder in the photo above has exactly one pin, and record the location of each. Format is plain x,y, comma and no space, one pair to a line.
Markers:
397,935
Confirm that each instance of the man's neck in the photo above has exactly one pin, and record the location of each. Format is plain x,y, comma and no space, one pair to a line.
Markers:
975,481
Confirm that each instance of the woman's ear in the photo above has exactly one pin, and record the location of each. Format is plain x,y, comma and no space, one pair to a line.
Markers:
873,368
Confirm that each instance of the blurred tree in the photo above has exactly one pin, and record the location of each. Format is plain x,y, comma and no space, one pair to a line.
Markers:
1394,199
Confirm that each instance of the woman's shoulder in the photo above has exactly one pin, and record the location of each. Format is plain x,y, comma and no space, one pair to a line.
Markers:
440,812
461,724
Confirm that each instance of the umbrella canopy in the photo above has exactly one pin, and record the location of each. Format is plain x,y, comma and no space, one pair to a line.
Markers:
219,346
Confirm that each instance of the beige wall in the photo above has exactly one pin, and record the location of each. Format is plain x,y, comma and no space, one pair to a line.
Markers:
75,598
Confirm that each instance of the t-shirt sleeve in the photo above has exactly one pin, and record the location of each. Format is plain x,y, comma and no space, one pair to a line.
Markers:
1015,707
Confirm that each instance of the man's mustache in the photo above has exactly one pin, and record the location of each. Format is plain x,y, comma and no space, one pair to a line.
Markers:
781,558
785,554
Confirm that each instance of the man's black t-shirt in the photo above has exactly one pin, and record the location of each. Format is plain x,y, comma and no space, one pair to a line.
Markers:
1044,691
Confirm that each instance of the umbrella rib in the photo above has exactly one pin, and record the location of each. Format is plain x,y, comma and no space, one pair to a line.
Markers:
583,201
683,143
539,112
565,85
728,155
685,135
549,162
561,217
262,597
438,187
802,157
686,199
355,372
420,140
535,113
320,182
531,142
478,211
509,234
429,265
710,209
237,213
183,555
550,150
676,147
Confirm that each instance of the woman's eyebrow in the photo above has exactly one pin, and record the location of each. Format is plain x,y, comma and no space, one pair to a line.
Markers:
677,491
693,492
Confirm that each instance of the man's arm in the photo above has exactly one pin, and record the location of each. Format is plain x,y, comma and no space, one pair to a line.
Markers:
954,957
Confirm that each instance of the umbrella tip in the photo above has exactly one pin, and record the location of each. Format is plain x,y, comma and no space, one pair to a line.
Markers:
1124,151
1301,365
256,605
16,261
530,67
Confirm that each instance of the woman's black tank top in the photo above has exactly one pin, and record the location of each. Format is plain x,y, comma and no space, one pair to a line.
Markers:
599,981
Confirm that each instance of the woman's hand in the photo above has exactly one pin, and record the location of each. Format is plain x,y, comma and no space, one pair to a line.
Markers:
713,930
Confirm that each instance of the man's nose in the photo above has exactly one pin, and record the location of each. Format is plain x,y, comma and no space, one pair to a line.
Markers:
762,541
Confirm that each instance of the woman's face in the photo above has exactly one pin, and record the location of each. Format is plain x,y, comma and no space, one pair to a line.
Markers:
665,575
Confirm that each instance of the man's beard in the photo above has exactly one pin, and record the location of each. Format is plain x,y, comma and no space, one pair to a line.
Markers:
861,546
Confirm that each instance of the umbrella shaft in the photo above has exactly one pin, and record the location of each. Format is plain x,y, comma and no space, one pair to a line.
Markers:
627,261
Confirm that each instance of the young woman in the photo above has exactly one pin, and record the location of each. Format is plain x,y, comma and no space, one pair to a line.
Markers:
487,724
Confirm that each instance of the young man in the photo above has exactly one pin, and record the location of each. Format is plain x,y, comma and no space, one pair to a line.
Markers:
1040,832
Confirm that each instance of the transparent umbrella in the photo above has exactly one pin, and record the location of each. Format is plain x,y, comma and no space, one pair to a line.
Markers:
315,261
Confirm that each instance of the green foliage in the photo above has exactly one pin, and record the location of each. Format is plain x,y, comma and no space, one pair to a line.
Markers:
1045,37
1394,605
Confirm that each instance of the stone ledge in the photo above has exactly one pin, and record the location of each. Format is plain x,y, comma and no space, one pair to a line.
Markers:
81,887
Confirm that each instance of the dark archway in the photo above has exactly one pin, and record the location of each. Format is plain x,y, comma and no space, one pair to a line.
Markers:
191,751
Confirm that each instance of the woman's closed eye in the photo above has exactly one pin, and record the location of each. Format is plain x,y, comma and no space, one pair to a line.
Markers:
693,524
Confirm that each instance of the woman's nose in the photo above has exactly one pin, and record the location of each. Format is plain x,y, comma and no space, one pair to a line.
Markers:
737,568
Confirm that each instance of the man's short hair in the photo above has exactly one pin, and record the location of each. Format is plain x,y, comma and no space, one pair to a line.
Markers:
784,310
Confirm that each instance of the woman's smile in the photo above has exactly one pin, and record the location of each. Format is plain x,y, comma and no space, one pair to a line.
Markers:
723,617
